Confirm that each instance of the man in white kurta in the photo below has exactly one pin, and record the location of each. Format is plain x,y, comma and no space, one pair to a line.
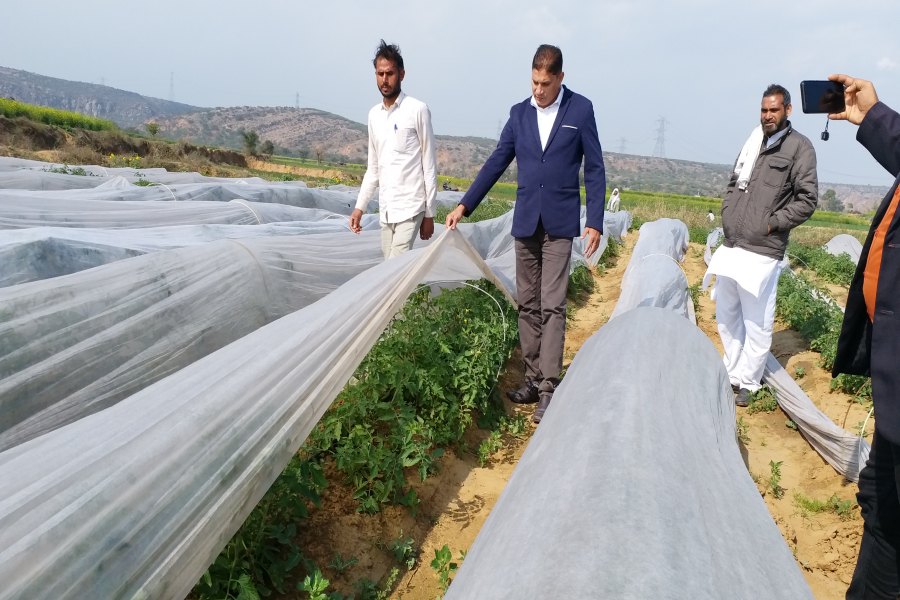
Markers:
401,165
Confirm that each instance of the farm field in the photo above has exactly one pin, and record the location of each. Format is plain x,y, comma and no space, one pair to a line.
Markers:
393,485
813,506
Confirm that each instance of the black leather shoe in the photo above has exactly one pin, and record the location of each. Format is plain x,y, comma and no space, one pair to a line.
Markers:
527,394
541,408
742,398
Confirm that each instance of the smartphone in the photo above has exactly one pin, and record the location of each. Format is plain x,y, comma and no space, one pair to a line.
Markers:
822,96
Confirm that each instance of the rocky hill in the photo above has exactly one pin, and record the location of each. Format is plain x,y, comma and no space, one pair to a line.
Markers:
308,132
125,108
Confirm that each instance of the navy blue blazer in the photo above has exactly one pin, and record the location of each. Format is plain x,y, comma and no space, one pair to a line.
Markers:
863,349
549,191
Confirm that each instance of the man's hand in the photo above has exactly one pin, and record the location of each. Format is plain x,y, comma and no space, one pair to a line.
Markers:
859,97
455,215
355,218
593,241
427,228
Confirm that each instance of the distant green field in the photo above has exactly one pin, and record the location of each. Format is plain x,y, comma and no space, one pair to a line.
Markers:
52,116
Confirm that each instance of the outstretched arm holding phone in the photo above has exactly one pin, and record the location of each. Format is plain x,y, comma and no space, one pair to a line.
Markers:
859,97
869,344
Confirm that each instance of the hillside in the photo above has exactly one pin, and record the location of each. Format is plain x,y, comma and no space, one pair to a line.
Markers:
308,132
125,108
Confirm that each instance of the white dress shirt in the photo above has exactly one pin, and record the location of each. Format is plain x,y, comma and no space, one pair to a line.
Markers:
546,117
402,166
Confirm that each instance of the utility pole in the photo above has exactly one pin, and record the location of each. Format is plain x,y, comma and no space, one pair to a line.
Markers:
297,101
660,149
171,86
622,144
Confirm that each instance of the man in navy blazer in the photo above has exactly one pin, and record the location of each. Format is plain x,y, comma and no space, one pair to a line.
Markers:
869,344
549,134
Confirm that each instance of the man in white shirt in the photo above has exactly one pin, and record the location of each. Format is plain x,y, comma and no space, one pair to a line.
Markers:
401,165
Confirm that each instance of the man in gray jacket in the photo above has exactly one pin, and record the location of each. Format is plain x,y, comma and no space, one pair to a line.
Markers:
772,190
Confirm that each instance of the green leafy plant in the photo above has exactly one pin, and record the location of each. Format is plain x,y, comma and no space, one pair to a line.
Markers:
404,551
444,566
799,372
762,400
508,426
341,564
67,170
842,508
774,482
743,430
315,585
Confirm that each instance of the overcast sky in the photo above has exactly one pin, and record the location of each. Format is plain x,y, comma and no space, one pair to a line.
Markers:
700,65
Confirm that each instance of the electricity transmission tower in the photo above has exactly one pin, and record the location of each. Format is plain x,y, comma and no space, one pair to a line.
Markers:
171,86
660,148
622,144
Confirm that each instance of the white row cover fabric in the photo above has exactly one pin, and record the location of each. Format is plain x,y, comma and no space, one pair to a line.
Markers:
43,252
69,212
845,244
137,500
843,450
654,276
73,345
201,409
633,486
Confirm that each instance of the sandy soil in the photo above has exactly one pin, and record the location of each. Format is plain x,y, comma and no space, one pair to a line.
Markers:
456,502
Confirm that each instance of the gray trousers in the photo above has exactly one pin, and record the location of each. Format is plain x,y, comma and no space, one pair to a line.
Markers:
397,238
542,279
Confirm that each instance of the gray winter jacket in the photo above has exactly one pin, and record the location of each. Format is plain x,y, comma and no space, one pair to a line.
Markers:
781,194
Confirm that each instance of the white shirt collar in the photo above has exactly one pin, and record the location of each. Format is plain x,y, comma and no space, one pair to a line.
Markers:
554,105
396,103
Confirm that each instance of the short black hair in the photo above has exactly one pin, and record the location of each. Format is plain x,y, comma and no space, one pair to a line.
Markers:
775,89
547,58
390,52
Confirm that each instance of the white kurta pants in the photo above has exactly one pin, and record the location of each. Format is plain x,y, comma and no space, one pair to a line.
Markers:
745,325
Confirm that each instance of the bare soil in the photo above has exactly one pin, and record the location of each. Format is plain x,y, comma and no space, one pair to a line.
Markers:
456,502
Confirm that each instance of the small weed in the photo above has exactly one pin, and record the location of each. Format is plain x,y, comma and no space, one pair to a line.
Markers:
799,372
314,585
842,508
404,551
743,430
694,293
514,426
444,566
67,170
369,590
341,564
774,483
790,425
762,400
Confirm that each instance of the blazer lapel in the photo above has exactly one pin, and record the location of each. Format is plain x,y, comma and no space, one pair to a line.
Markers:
531,124
560,115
